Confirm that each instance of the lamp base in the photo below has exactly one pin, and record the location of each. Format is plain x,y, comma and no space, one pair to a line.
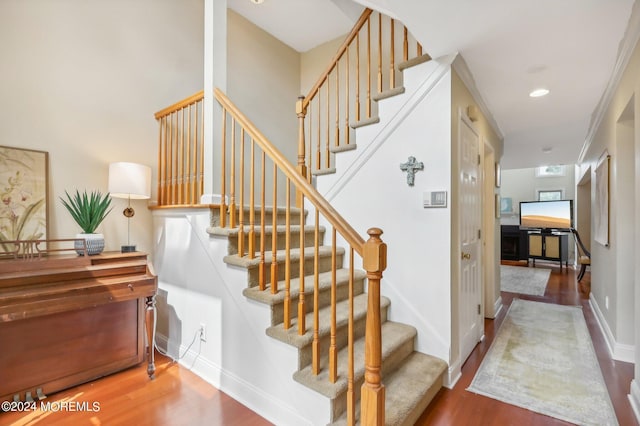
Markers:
127,249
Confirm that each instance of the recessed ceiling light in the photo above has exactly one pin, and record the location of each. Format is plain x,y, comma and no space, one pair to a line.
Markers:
257,1
539,92
547,149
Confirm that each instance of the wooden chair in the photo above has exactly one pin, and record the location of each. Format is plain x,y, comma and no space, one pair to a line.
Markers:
584,257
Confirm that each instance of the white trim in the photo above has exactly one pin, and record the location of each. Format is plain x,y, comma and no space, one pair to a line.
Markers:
627,45
240,390
453,375
497,307
617,351
634,399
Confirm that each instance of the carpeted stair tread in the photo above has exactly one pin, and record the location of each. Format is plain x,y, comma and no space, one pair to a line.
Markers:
343,148
365,122
292,337
413,62
388,93
408,390
268,230
309,253
324,280
321,172
394,335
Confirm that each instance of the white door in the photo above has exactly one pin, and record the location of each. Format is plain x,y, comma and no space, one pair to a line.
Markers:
470,290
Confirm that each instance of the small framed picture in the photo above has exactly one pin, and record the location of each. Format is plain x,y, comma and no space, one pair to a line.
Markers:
498,173
497,206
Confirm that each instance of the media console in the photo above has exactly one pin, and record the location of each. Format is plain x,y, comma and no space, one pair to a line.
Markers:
549,246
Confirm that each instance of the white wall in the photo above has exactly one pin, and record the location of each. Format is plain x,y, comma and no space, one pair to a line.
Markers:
197,287
613,289
370,190
81,79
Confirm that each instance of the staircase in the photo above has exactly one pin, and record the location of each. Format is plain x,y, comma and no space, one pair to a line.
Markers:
411,378
320,304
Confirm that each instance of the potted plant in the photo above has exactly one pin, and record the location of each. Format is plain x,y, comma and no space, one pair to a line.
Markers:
88,210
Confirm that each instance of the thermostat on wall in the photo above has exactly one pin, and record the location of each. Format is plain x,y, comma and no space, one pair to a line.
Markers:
434,199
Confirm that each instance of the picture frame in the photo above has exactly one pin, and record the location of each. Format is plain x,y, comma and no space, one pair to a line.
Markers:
550,171
506,205
498,173
24,194
601,214
497,206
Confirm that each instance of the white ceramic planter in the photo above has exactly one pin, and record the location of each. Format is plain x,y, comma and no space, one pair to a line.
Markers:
95,244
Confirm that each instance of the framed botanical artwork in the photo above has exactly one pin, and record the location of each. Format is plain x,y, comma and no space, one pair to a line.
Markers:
601,216
23,194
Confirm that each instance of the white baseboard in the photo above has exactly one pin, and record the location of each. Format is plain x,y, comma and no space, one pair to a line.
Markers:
634,399
618,351
240,390
453,375
497,307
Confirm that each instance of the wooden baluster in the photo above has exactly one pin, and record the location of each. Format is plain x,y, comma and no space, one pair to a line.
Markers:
369,68
392,55
301,113
180,160
405,46
310,115
337,112
262,271
241,213
319,140
379,52
232,177
374,261
274,233
418,49
174,160
347,107
223,210
170,200
351,395
358,77
333,347
327,159
188,168
302,328
201,176
161,148
251,250
315,346
287,260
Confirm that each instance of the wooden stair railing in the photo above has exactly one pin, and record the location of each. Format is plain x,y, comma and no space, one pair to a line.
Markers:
376,45
181,152
239,135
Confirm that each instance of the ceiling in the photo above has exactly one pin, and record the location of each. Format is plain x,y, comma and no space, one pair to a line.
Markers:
510,48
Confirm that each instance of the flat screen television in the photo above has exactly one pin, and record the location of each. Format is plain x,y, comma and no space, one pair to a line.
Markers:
547,215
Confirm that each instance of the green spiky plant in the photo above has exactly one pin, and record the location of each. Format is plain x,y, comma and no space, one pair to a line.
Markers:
88,210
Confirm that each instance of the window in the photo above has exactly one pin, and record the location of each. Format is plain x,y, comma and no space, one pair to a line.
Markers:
550,194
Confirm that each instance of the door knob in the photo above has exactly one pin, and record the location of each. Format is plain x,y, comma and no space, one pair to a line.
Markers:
466,256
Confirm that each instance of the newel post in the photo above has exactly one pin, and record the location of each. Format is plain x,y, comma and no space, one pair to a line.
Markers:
301,112
374,259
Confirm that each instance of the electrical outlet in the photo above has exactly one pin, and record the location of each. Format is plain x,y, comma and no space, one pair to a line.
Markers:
203,332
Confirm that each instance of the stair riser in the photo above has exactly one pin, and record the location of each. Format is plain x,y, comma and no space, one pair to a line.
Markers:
280,217
324,265
342,293
281,240
342,339
389,364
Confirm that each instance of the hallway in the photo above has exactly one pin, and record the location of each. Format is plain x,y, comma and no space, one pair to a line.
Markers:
459,407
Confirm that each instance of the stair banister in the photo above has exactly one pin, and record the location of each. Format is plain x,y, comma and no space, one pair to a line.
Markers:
373,253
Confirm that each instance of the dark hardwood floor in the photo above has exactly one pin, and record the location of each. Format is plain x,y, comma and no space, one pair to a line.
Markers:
459,407
178,397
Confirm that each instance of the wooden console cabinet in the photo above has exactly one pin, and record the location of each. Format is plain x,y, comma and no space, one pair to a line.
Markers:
553,246
68,319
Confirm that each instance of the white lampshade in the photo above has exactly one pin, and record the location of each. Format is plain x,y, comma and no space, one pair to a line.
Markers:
129,180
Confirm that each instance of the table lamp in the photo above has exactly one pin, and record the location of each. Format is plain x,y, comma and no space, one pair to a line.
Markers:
130,181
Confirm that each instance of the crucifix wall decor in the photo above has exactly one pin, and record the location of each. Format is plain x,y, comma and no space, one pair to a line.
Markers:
411,167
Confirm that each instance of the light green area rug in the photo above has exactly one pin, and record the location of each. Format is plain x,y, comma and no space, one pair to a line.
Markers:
524,280
542,359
